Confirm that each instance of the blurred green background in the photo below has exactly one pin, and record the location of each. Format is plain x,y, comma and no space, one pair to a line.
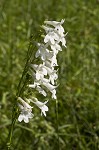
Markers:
78,92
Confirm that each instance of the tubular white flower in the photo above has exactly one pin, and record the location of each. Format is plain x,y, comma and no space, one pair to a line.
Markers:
53,61
55,23
53,77
56,48
26,111
43,52
36,83
38,88
63,41
45,82
41,105
47,29
47,63
51,38
54,94
52,74
40,71
58,29
51,88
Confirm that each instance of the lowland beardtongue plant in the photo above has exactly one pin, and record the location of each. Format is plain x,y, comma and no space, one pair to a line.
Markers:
44,74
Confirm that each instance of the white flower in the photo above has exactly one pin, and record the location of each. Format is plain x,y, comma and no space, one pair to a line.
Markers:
43,52
26,111
57,30
52,74
63,40
38,88
47,29
41,105
57,25
45,82
51,88
48,64
41,91
40,71
56,48
51,38
36,83
53,77
53,61
54,94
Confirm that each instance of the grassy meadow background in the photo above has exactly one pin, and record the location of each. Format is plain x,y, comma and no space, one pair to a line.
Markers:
77,125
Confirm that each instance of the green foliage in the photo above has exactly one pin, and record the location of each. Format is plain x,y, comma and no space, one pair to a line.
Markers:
76,127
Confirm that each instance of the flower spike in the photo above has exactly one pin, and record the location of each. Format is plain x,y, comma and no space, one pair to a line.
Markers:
44,74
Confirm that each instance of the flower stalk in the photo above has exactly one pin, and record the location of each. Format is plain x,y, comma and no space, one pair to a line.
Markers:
44,74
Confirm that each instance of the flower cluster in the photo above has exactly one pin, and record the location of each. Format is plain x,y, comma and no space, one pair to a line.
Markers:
26,109
45,74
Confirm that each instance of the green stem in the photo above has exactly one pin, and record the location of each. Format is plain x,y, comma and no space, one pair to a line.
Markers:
15,108
57,130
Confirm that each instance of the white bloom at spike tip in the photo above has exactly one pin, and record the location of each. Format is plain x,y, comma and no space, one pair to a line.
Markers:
41,105
47,29
57,25
26,111
59,30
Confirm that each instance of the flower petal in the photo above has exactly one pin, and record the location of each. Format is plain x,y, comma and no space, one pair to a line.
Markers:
20,118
